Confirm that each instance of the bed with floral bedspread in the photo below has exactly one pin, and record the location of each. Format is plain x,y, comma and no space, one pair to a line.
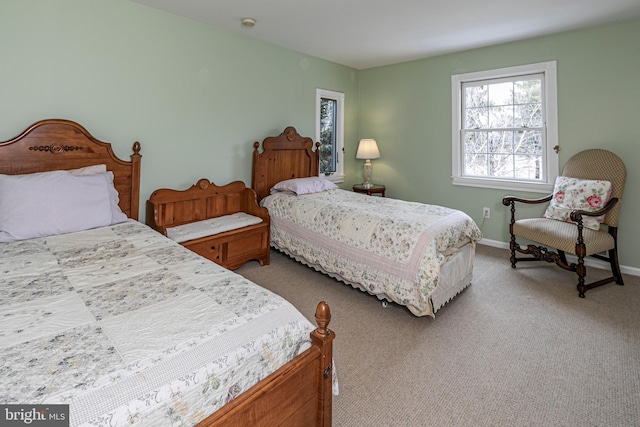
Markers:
130,328
390,248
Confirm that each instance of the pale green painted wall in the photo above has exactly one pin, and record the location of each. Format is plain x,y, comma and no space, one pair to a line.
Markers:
407,109
196,97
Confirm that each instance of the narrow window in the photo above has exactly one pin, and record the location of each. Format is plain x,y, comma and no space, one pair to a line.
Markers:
330,133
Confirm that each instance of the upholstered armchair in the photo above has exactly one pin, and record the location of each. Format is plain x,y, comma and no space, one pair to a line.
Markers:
588,227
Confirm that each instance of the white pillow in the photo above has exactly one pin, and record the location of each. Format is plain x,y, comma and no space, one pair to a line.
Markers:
117,215
571,194
50,203
299,186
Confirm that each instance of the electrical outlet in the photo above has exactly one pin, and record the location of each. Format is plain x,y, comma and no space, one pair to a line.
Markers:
486,213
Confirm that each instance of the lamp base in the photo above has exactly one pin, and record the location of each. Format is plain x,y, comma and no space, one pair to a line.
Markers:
368,171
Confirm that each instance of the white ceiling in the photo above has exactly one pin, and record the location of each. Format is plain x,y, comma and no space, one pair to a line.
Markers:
369,33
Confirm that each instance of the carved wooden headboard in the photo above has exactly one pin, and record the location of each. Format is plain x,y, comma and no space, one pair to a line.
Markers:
285,156
56,144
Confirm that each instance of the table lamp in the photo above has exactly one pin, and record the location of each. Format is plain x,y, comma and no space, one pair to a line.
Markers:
367,150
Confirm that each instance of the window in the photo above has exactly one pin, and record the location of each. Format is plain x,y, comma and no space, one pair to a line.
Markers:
505,128
330,133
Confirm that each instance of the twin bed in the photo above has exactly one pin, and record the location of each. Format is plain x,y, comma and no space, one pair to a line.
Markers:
416,255
127,327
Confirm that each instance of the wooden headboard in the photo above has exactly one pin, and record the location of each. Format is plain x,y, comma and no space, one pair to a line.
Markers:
283,157
56,144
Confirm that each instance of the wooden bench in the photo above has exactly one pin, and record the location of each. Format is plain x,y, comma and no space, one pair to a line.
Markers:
201,205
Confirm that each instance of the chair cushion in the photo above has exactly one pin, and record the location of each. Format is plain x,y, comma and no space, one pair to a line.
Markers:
571,194
562,235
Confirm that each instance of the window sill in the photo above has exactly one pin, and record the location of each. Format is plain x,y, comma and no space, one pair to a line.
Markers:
335,178
505,185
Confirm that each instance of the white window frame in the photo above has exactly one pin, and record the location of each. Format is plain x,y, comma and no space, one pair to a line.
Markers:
548,70
338,175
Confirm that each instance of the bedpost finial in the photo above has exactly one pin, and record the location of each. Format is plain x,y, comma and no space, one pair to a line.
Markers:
290,133
203,183
136,148
323,317
256,145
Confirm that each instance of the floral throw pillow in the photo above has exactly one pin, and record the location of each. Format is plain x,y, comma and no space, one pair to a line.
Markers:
571,194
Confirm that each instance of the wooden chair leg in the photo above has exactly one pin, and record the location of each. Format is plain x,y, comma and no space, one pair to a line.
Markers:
615,266
581,270
512,246
563,257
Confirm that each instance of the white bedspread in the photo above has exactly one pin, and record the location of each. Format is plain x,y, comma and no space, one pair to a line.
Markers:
130,328
390,248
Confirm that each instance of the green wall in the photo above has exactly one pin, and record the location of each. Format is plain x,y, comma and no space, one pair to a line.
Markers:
407,109
196,97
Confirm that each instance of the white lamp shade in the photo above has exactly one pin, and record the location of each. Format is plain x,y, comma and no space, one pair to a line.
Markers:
368,149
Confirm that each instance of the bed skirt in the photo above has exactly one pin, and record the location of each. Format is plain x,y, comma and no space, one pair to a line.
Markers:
456,273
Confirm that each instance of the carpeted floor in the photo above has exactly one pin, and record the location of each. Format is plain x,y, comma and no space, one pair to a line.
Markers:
516,348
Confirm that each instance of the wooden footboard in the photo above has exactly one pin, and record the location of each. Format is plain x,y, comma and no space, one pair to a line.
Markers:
297,394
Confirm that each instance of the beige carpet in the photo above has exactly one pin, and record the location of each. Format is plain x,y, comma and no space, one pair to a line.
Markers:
517,348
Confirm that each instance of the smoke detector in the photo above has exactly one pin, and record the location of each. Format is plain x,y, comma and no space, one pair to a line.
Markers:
248,22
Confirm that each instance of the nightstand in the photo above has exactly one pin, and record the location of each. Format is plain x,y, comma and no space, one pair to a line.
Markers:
376,189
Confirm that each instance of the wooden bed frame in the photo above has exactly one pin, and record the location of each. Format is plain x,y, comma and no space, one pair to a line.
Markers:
285,156
299,393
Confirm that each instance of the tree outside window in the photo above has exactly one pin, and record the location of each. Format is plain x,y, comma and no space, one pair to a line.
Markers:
330,133
505,128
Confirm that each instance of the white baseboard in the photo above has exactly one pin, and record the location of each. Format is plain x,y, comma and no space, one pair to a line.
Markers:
589,262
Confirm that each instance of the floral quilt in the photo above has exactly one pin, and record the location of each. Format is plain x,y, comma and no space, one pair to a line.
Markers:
390,248
130,328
